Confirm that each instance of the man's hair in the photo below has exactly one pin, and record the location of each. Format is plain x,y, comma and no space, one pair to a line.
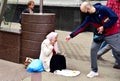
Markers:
30,2
86,4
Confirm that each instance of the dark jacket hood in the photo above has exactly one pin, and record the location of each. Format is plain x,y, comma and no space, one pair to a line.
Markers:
97,6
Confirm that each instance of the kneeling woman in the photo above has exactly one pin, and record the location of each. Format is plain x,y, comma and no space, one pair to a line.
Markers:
50,55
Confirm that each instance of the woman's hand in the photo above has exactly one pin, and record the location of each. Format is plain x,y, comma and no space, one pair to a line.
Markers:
52,43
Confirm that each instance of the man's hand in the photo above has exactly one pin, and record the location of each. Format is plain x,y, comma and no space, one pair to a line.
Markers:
100,30
67,38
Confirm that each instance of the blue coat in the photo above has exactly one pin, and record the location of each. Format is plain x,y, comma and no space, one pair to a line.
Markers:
97,19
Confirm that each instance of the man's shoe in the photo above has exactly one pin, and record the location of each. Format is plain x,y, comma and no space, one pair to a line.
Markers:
92,74
116,66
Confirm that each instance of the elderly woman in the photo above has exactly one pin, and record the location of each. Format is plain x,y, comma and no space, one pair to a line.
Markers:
50,55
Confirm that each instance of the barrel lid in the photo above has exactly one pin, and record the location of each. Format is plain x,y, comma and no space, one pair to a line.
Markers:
39,13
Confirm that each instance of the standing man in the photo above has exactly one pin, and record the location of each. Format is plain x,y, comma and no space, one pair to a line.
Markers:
115,6
97,16
29,9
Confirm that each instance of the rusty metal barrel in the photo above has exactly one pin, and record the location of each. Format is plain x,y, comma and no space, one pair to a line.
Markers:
34,28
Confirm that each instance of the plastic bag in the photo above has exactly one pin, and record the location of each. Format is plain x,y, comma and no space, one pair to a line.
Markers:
28,60
98,38
67,72
35,66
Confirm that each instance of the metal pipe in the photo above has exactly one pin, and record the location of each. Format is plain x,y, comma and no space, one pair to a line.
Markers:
41,6
2,9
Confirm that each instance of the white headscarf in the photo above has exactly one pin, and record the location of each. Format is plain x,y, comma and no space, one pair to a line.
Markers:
51,36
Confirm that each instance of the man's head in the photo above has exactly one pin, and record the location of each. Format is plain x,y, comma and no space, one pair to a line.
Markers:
86,7
31,4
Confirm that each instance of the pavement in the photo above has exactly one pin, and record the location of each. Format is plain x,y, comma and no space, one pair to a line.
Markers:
77,53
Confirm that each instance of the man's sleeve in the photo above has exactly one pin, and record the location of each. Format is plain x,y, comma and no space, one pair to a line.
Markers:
81,27
25,11
111,15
